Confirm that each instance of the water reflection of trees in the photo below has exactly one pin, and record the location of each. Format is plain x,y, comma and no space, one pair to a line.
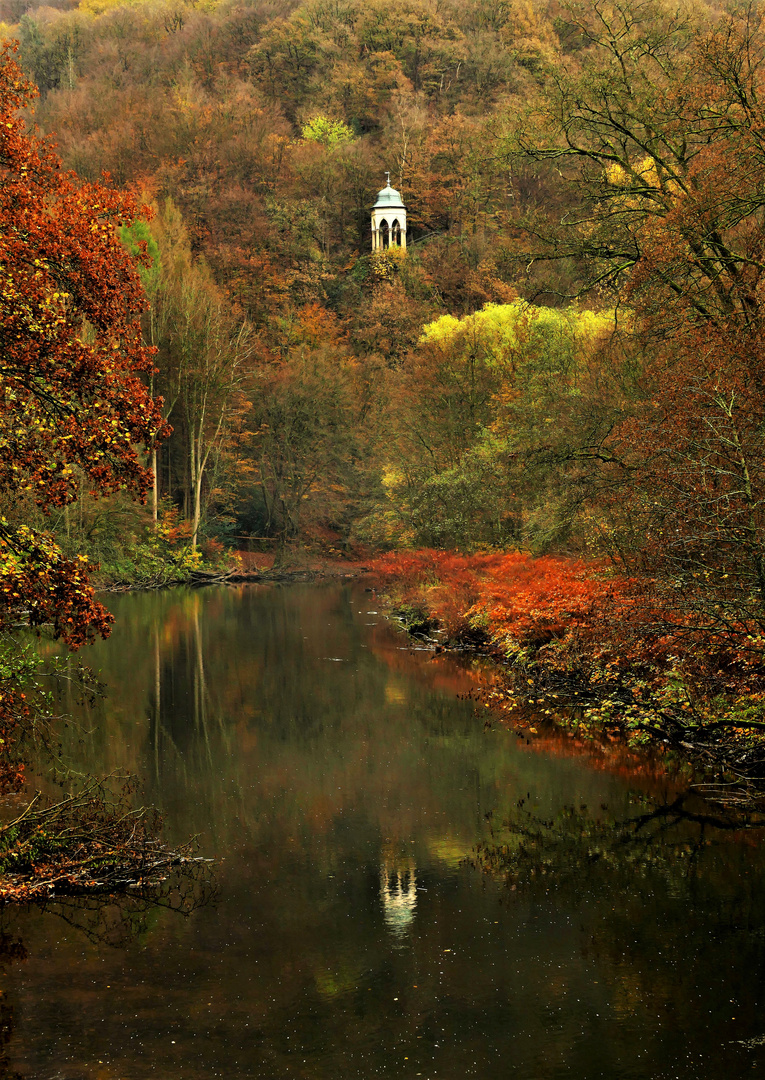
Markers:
117,921
114,922
315,765
671,838
215,687
670,899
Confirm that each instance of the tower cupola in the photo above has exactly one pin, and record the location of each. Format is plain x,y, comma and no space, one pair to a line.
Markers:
388,219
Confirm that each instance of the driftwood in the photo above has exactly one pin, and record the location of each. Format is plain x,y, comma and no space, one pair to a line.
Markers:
154,581
222,577
234,577
197,578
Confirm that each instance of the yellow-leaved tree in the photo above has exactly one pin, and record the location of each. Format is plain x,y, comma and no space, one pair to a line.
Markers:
482,408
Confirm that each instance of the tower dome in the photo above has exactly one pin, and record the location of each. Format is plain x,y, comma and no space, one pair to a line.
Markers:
388,219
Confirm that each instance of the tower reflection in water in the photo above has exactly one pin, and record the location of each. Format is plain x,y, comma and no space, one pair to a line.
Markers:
398,894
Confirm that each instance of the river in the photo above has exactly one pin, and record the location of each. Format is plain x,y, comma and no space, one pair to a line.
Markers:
401,891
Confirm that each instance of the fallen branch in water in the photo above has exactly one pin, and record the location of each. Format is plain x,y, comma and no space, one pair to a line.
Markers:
214,577
90,841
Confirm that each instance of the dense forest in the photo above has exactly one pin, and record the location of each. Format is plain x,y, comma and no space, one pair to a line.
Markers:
566,362
582,190
454,397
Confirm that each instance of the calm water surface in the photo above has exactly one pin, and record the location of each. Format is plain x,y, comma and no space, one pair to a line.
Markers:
345,787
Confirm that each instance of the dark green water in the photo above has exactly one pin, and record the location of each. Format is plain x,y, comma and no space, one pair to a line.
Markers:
344,786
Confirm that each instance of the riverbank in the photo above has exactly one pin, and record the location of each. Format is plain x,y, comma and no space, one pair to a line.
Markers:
240,567
585,649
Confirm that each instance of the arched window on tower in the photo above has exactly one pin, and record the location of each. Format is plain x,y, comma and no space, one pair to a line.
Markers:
395,234
384,234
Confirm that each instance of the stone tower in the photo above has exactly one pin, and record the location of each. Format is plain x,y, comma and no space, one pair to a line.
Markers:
388,220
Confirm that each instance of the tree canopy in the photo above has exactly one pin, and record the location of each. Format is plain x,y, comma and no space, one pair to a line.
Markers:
73,402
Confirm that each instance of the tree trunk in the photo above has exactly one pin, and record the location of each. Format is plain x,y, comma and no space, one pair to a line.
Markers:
154,486
195,486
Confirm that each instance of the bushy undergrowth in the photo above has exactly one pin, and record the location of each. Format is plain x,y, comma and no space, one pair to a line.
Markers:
161,553
511,601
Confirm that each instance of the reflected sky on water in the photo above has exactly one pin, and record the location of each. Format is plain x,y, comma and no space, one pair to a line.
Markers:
401,893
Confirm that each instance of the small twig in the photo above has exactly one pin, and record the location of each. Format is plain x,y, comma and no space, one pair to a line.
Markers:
21,817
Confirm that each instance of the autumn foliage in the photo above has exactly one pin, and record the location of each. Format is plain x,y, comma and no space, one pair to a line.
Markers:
568,360
510,601
74,407
589,647
73,401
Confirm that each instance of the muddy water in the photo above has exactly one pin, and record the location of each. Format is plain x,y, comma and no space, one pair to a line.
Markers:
349,794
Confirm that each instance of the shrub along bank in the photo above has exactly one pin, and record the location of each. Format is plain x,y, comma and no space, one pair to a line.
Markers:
588,648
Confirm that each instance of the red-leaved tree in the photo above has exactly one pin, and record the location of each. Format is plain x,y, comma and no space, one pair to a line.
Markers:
73,404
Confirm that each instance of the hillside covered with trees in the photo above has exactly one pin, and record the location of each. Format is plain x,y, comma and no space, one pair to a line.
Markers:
260,135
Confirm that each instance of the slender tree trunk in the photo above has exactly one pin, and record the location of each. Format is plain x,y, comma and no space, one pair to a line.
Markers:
195,487
154,480
750,499
197,511
198,469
